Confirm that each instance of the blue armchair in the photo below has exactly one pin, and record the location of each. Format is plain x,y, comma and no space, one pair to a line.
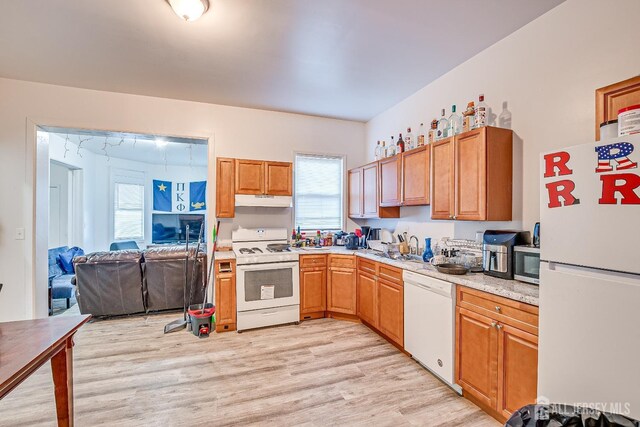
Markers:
60,283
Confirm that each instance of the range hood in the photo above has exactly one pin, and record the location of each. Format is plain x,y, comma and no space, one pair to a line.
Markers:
262,200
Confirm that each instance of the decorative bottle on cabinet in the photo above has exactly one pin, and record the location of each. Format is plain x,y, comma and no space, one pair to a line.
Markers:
377,152
409,142
443,127
455,122
480,117
421,135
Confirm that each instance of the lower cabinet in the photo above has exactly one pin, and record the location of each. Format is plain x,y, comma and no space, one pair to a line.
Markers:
225,295
496,351
368,298
341,290
391,310
313,290
381,299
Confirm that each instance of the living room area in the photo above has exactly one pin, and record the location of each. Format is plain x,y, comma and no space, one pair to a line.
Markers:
119,205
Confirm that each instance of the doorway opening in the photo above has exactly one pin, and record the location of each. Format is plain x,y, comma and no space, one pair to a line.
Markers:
104,195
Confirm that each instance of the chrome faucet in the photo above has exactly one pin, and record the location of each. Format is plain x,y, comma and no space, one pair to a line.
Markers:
412,250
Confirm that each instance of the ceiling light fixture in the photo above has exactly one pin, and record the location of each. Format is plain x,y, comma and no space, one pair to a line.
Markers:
189,10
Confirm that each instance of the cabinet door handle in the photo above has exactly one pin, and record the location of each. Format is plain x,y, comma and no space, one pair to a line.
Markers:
498,308
494,324
499,326
454,217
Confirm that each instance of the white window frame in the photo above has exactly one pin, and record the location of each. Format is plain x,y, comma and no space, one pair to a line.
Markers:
343,158
124,176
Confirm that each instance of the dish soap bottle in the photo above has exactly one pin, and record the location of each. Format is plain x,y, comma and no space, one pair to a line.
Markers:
428,253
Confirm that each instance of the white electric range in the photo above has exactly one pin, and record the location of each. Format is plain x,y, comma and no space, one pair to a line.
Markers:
267,278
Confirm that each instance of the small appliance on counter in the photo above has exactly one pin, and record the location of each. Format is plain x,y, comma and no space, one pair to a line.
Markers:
535,241
497,251
340,238
352,242
366,230
526,264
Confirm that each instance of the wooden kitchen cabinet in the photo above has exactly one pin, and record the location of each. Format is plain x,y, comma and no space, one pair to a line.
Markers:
313,290
278,178
225,188
517,369
370,205
341,285
391,310
225,295
472,176
442,179
415,176
355,193
477,356
249,176
367,298
390,180
496,351
381,299
363,197
612,98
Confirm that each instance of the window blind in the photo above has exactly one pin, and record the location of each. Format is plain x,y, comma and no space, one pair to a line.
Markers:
128,213
318,193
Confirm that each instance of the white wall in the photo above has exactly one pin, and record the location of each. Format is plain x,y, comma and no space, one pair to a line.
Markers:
232,131
547,73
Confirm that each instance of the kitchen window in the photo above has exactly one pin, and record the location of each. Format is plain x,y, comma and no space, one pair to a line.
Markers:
128,207
318,194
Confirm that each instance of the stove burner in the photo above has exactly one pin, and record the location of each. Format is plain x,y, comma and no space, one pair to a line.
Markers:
246,251
256,250
278,250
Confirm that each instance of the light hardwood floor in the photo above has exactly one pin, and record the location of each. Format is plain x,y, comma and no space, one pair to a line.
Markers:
322,372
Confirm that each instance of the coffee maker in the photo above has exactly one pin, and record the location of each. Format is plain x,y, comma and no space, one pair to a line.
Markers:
497,251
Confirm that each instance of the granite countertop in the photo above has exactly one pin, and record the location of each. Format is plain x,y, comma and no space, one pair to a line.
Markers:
512,289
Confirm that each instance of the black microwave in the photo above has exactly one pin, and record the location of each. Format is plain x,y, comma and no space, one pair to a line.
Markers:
526,264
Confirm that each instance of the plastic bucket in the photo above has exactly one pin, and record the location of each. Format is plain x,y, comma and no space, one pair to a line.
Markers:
201,321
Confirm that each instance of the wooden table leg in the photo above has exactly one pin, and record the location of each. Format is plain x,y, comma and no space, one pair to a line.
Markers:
62,368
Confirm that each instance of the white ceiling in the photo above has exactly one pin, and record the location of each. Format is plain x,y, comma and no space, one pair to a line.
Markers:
350,59
140,148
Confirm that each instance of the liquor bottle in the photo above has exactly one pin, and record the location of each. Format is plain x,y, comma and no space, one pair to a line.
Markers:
455,122
299,236
480,117
377,151
400,144
467,117
421,135
504,119
409,141
293,235
443,127
318,238
383,152
393,149
433,131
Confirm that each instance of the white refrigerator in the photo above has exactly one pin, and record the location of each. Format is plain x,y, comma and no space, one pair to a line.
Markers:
589,343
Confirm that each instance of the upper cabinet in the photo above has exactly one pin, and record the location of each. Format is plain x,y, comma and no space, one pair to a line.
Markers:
225,188
355,193
364,194
390,181
415,177
472,176
610,99
249,176
254,177
260,177
278,178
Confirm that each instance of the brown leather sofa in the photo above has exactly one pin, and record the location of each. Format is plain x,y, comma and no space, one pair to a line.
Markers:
109,283
164,277
130,281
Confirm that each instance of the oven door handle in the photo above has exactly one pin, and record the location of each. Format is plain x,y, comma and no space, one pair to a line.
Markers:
267,266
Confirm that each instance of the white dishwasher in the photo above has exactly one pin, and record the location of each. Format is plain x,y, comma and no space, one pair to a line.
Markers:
429,324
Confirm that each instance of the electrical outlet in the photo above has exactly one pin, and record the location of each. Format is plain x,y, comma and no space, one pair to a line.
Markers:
20,233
